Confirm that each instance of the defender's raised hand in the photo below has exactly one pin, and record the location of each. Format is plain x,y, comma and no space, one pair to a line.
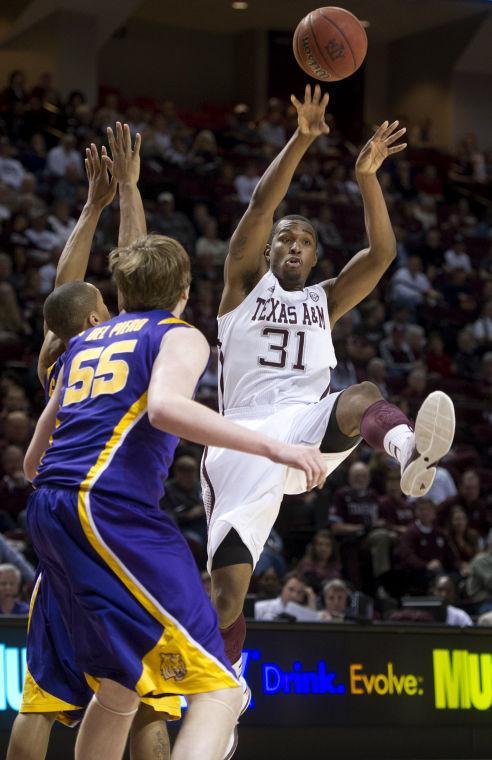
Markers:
126,159
379,147
311,113
102,185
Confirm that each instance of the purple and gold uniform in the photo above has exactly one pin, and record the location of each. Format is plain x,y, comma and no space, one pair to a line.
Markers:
122,575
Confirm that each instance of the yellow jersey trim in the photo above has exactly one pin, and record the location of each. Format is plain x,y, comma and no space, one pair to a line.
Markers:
176,664
37,700
32,601
174,321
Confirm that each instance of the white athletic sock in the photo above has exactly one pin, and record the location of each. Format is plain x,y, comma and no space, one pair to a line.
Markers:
399,442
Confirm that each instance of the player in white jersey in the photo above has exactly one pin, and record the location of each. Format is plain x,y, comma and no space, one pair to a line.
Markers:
275,356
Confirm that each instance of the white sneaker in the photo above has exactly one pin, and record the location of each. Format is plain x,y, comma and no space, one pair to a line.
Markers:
234,738
434,433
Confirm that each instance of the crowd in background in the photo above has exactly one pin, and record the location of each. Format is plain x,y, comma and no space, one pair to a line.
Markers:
358,544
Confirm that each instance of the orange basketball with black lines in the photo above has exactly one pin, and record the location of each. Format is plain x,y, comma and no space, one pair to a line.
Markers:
330,44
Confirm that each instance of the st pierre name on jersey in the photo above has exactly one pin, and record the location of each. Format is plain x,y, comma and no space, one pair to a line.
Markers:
273,310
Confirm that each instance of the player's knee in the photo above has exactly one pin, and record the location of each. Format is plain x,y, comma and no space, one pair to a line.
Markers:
368,392
114,696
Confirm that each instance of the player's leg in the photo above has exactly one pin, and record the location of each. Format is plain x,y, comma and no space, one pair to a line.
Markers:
149,737
106,724
30,736
361,410
208,725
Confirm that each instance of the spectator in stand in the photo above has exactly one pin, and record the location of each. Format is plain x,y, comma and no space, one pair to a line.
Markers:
395,508
167,221
320,562
183,500
376,373
272,555
210,245
460,296
64,160
267,584
410,287
17,429
482,328
466,361
469,497
456,257
424,211
437,360
328,234
41,238
241,135
432,249
11,556
443,486
425,551
204,156
429,182
479,581
14,488
61,223
272,129
372,324
465,541
295,597
415,390
335,599
445,588
12,172
416,340
344,373
10,582
245,183
396,352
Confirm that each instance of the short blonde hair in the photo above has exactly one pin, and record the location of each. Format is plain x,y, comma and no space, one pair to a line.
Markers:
151,273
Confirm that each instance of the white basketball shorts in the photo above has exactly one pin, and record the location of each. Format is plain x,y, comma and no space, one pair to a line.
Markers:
244,491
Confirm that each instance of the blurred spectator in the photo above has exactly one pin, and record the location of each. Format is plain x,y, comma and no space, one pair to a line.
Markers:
395,508
429,182
183,500
376,373
335,600
267,584
469,497
245,183
272,130
14,488
11,556
416,340
272,555
479,582
344,374
444,588
466,362
396,352
410,286
17,429
167,221
209,245
294,601
320,562
443,486
437,360
64,160
12,172
10,582
456,257
424,549
355,507
464,541
482,328
61,223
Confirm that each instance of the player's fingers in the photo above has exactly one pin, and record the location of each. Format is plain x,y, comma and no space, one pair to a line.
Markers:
397,148
325,100
111,140
390,129
138,142
395,136
127,136
380,130
87,170
296,103
309,477
325,128
307,94
119,136
95,157
88,158
317,95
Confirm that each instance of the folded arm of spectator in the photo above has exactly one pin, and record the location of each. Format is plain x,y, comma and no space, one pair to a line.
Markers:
245,259
126,170
362,273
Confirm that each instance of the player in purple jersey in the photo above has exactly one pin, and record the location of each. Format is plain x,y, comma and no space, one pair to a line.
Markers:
52,685
129,593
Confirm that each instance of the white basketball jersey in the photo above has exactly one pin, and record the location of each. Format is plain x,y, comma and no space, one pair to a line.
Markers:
275,347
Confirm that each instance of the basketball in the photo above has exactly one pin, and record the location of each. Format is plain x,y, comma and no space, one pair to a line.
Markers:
330,44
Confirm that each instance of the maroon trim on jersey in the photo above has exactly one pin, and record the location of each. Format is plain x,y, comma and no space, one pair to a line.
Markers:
221,376
209,484
325,393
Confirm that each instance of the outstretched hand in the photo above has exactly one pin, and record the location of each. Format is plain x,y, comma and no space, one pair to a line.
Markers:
102,184
126,159
379,147
311,113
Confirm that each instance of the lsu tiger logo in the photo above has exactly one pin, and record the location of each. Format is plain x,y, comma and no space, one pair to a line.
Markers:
172,666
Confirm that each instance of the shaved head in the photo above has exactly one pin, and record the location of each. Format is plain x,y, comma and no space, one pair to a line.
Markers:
68,307
283,222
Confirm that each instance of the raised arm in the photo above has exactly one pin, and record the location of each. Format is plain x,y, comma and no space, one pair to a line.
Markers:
363,272
245,263
72,265
126,169
182,359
